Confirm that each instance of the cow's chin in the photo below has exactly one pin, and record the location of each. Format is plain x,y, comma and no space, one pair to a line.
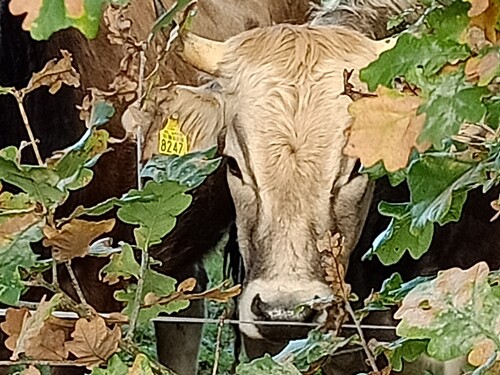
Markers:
280,301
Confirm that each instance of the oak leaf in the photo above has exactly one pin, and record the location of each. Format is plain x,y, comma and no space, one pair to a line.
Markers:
29,7
74,8
54,74
14,320
31,370
34,324
481,352
385,127
74,238
483,69
93,343
220,295
48,344
487,20
478,7
16,224
187,285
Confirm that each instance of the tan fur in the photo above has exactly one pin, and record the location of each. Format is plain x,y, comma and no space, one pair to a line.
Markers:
288,109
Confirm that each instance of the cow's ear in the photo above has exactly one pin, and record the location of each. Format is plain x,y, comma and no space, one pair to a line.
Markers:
200,115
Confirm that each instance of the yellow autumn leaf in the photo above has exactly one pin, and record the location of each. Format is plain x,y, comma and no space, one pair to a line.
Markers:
385,127
481,352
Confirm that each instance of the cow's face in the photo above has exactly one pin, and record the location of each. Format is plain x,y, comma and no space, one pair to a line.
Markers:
284,126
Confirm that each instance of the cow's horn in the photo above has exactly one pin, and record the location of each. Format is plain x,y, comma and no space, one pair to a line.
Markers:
203,54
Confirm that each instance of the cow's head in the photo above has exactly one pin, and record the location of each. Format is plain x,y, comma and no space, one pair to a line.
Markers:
282,121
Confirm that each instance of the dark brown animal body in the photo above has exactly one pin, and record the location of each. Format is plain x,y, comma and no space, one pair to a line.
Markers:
55,123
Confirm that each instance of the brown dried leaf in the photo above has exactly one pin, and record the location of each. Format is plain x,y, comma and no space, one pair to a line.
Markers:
54,74
118,25
385,128
93,343
31,370
134,118
12,326
481,352
34,324
29,7
483,69
16,224
74,238
48,345
487,19
478,7
150,299
123,88
187,285
218,295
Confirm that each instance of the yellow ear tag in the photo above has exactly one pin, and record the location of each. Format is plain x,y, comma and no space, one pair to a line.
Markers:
172,140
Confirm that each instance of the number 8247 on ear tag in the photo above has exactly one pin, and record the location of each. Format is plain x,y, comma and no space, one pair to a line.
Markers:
172,140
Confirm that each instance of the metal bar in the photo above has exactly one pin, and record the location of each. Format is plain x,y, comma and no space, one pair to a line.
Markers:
180,319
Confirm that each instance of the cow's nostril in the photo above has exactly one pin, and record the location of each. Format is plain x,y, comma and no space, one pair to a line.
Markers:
259,307
280,312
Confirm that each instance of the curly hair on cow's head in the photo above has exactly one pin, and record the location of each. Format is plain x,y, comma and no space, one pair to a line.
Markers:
369,17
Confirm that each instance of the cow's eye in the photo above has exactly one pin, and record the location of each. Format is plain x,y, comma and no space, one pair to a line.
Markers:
233,167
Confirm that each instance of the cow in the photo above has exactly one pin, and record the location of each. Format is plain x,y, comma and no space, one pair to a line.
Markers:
55,123
275,108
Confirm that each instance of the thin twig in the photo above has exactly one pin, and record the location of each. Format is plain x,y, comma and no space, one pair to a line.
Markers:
144,254
345,296
138,293
218,343
19,98
55,279
367,350
76,285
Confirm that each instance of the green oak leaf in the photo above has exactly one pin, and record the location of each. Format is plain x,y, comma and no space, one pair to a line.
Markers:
493,113
157,283
39,182
16,253
190,170
455,312
157,216
54,17
307,352
393,242
378,170
450,101
448,22
391,293
403,350
122,264
15,203
115,366
438,185
408,56
266,366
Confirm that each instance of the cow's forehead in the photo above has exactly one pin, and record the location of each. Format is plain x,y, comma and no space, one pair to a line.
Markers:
285,113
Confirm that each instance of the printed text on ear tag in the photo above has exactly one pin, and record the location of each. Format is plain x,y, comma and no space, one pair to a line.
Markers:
172,140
